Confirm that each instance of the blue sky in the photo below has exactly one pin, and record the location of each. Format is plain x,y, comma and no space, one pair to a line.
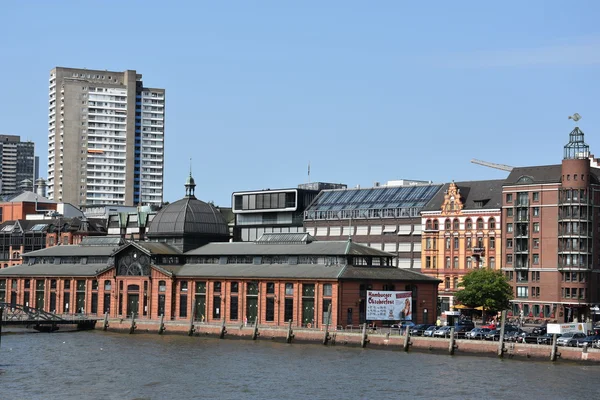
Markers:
364,91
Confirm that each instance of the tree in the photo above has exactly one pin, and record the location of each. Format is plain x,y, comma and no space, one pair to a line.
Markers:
485,288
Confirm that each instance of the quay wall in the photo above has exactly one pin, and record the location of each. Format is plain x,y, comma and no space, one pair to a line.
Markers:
381,339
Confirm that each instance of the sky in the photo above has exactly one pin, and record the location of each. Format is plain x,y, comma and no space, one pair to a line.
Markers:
364,92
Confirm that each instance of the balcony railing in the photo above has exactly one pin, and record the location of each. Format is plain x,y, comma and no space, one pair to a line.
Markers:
479,250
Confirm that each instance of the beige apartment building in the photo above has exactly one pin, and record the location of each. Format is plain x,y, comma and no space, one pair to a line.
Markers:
105,138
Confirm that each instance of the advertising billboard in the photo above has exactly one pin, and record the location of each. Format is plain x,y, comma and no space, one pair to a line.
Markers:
389,306
569,328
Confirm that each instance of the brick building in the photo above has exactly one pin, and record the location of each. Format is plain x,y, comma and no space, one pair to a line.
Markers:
551,244
279,277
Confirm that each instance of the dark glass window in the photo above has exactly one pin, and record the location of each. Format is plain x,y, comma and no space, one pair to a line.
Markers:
235,287
200,287
270,314
270,287
217,287
308,289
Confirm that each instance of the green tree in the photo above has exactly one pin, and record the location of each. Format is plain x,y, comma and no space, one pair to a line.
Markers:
485,288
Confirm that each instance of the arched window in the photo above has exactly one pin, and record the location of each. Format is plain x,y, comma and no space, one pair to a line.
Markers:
492,223
447,224
447,262
447,283
479,223
436,225
455,265
107,285
428,225
468,224
162,286
469,263
455,283
455,224
492,262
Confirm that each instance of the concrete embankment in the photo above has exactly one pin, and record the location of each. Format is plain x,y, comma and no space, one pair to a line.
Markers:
382,339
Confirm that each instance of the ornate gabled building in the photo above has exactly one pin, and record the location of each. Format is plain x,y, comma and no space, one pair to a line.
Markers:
551,244
461,231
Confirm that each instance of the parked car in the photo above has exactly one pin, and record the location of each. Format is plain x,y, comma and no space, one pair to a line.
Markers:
539,330
511,336
527,338
493,335
460,332
570,339
442,331
464,324
418,329
511,328
489,326
478,333
546,338
590,340
429,331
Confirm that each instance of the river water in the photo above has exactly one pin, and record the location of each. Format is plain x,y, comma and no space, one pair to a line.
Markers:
103,365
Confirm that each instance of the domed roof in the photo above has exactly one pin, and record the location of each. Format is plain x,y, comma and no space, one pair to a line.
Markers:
188,216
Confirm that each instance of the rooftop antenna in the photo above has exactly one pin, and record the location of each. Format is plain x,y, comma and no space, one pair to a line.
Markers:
309,172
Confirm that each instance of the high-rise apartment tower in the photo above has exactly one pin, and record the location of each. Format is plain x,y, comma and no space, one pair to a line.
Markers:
105,138
17,164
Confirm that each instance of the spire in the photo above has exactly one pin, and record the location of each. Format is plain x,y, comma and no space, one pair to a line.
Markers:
190,185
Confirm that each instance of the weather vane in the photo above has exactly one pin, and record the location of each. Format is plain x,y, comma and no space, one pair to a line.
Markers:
575,117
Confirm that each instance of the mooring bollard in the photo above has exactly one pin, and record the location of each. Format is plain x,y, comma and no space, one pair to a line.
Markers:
105,324
554,353
290,333
133,325
501,349
255,332
364,339
161,326
326,336
407,342
191,328
1,313
223,330
451,345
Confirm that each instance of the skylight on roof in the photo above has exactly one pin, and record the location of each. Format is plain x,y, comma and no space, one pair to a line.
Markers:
38,227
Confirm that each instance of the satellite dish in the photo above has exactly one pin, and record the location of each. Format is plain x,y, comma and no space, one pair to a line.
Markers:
575,117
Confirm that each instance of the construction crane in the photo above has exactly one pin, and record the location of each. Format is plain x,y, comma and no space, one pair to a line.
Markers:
502,167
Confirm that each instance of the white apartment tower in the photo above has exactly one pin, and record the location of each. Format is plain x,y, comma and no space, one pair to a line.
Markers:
105,138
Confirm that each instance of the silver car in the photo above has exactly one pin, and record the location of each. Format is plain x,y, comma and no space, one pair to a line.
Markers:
570,339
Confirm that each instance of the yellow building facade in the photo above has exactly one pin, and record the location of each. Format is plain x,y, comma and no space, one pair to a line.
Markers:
461,231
